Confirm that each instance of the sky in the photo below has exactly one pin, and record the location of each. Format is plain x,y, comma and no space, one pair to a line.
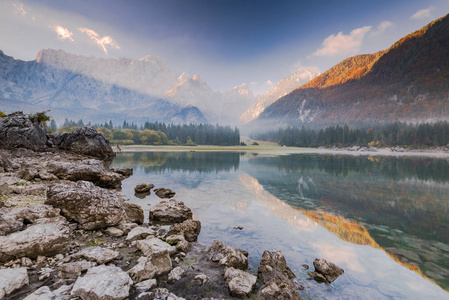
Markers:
226,42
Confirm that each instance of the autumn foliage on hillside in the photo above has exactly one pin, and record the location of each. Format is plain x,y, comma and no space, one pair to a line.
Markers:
407,82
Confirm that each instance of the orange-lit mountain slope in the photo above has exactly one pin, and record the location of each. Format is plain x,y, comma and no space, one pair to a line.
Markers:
407,82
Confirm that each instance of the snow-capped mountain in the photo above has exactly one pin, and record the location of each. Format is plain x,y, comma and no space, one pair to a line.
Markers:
280,89
94,89
148,75
74,86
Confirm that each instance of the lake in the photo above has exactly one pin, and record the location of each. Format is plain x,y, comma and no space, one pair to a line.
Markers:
383,219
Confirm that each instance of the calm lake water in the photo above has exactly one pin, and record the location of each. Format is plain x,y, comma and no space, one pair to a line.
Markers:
384,220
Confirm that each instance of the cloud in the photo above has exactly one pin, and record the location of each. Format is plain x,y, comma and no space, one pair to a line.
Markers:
269,82
102,42
343,44
422,14
383,26
63,33
20,10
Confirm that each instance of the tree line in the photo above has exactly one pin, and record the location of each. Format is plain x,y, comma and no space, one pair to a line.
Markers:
161,133
386,135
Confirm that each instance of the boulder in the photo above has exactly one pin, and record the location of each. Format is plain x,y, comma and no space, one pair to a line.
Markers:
4,189
139,233
42,293
14,219
113,231
90,206
156,264
98,254
125,172
164,193
11,280
275,276
145,285
159,293
169,212
6,165
18,130
325,271
274,266
41,239
9,223
190,229
228,256
73,270
103,282
91,170
240,283
127,227
179,242
133,213
84,141
143,188
154,245
175,274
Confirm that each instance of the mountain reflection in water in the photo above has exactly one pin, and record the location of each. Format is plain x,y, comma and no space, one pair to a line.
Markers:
352,210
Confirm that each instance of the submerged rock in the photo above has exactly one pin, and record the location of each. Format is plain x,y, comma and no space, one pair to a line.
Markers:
169,212
164,193
103,282
228,256
143,188
325,271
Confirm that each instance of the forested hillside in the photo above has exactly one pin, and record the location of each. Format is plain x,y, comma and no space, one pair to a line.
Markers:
407,82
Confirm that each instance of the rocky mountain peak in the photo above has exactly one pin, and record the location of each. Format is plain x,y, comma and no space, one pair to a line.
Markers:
183,77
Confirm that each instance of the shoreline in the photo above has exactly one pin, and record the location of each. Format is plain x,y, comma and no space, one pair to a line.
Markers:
279,150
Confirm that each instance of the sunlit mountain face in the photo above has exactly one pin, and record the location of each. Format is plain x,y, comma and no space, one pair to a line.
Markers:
406,82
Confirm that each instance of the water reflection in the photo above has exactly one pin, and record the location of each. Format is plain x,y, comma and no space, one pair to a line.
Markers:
346,209
160,162
404,207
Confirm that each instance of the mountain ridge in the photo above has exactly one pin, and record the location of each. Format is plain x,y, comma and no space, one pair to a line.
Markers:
406,82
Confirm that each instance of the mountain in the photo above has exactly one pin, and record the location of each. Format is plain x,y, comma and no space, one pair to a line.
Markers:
222,108
91,88
280,89
407,82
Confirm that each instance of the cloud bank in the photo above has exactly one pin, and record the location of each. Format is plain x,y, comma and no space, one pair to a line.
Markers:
63,33
102,42
422,14
343,44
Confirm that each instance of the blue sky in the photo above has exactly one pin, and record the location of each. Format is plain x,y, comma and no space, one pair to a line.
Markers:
226,42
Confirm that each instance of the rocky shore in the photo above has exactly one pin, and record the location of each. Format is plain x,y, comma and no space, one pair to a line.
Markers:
66,232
